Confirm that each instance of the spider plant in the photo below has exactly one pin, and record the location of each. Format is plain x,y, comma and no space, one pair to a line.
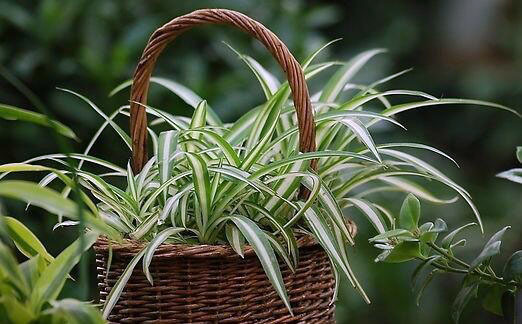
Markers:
210,182
29,290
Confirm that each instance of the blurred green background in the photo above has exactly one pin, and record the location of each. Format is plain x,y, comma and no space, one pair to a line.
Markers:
465,48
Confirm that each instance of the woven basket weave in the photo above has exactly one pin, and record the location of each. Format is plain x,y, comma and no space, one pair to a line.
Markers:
212,284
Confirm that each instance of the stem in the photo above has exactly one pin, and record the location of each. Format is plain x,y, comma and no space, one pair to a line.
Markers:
447,255
477,272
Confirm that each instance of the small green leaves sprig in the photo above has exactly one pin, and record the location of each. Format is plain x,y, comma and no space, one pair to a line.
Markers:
411,241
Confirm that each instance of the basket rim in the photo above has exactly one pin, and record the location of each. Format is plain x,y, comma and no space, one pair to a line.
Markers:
130,247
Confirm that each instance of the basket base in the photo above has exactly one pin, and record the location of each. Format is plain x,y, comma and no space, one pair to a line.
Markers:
219,290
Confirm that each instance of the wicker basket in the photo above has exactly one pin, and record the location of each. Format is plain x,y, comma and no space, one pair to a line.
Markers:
211,284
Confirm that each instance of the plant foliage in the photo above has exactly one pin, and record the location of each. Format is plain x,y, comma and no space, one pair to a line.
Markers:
210,182
411,241
29,290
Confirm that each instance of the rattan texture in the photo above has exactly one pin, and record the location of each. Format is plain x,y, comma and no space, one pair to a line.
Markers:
211,283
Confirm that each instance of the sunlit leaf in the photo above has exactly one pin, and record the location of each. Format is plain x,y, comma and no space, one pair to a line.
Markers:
15,113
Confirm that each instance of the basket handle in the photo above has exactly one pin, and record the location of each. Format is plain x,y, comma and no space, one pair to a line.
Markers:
168,32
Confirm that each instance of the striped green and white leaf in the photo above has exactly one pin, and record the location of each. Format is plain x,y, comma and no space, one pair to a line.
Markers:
153,245
117,289
336,83
202,187
53,202
235,238
268,82
322,232
371,213
167,147
264,251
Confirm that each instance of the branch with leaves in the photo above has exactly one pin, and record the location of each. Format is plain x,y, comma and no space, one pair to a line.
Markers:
411,241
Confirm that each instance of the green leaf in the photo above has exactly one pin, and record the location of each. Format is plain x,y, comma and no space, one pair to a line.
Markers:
53,277
172,203
447,101
323,234
263,129
131,183
72,311
430,235
513,267
514,175
153,245
371,213
235,239
216,139
415,189
168,142
198,120
25,240
410,213
492,301
202,186
11,273
117,128
392,233
120,284
467,291
312,56
20,167
53,202
425,283
336,83
491,248
362,133
144,228
448,239
404,251
14,113
189,97
334,212
145,173
17,312
32,269
425,264
261,245
281,251
419,146
519,154
268,82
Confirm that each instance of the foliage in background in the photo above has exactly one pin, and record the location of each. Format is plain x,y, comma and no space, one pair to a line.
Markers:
29,291
411,241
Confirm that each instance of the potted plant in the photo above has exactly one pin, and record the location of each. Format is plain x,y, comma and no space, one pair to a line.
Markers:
243,222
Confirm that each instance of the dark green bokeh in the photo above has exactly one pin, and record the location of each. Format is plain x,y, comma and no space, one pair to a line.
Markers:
467,48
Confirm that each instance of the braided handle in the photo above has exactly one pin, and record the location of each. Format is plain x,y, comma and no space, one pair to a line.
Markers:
168,32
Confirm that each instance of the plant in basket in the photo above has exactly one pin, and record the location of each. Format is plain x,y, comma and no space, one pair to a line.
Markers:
250,221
